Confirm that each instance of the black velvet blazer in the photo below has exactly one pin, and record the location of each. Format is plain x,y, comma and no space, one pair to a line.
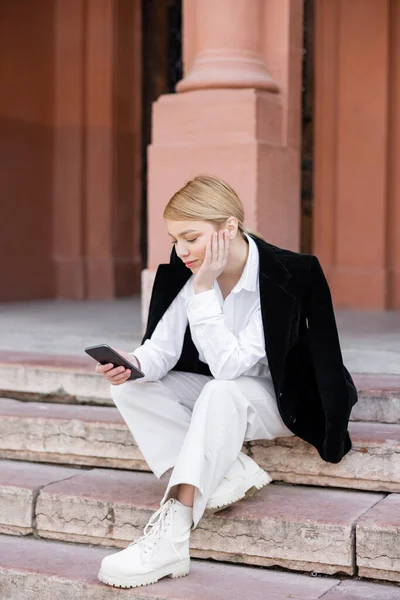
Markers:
314,390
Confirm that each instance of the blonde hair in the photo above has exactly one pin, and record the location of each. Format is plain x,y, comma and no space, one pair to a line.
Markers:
207,198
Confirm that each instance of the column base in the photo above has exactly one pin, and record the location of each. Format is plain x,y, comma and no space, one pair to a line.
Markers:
231,70
232,134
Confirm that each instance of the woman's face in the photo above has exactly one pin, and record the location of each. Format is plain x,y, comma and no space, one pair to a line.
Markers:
190,240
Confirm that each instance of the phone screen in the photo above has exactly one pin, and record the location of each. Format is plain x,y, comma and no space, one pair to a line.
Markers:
104,354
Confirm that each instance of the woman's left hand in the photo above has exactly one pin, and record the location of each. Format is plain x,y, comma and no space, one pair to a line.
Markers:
214,262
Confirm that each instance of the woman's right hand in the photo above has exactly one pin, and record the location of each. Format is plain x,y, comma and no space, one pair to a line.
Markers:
117,375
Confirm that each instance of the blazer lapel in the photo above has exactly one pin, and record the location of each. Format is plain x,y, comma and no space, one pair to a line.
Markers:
277,309
169,281
277,304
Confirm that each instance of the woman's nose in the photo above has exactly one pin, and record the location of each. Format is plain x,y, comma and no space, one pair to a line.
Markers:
181,251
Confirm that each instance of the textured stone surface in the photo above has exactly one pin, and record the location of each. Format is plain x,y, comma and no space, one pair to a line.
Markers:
19,486
98,436
379,398
378,541
101,507
291,526
379,407
33,569
372,464
362,590
72,379
61,327
294,527
58,377
84,435
370,339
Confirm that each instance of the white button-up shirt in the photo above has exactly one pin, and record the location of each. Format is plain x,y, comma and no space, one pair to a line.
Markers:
228,334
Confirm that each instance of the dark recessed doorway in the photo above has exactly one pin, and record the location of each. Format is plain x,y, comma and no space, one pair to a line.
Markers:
161,70
307,129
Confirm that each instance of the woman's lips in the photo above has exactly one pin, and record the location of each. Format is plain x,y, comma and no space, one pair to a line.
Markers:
190,263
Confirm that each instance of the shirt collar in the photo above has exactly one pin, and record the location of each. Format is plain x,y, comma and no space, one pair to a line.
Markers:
249,278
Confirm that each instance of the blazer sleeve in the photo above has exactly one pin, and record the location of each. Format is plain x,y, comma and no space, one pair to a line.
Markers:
336,388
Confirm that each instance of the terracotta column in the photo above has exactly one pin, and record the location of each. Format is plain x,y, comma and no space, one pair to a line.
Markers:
83,158
26,148
393,235
99,181
231,118
97,157
229,47
351,149
68,150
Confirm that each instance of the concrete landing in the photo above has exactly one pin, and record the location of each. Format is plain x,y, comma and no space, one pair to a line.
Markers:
370,340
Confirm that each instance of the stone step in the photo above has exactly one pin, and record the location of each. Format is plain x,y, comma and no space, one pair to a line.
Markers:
32,569
71,379
311,529
378,541
48,377
98,436
379,398
67,434
373,463
294,527
20,484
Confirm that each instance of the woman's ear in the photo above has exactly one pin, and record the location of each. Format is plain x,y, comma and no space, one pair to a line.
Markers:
232,227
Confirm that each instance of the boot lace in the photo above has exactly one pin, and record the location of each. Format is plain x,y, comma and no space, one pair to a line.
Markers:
155,527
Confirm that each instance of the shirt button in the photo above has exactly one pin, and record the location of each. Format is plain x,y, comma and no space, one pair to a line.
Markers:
292,419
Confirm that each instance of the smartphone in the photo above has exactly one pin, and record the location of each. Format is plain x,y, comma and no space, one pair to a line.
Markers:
105,354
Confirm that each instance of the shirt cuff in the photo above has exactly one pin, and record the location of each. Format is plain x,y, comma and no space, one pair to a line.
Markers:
203,306
141,355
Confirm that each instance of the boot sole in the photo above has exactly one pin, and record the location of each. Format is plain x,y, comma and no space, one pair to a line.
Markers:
175,570
261,480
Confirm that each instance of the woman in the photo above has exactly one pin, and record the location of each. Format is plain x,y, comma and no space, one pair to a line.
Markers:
241,344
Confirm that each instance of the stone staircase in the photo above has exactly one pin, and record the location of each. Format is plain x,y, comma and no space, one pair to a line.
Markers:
73,481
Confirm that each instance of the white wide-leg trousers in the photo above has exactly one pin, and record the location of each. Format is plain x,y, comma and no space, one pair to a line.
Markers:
196,425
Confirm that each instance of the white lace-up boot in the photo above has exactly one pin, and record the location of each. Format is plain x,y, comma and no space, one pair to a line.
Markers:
163,550
243,479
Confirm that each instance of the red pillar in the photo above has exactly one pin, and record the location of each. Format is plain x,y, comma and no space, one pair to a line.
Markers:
229,47
351,150
97,166
236,115
393,209
68,197
26,146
